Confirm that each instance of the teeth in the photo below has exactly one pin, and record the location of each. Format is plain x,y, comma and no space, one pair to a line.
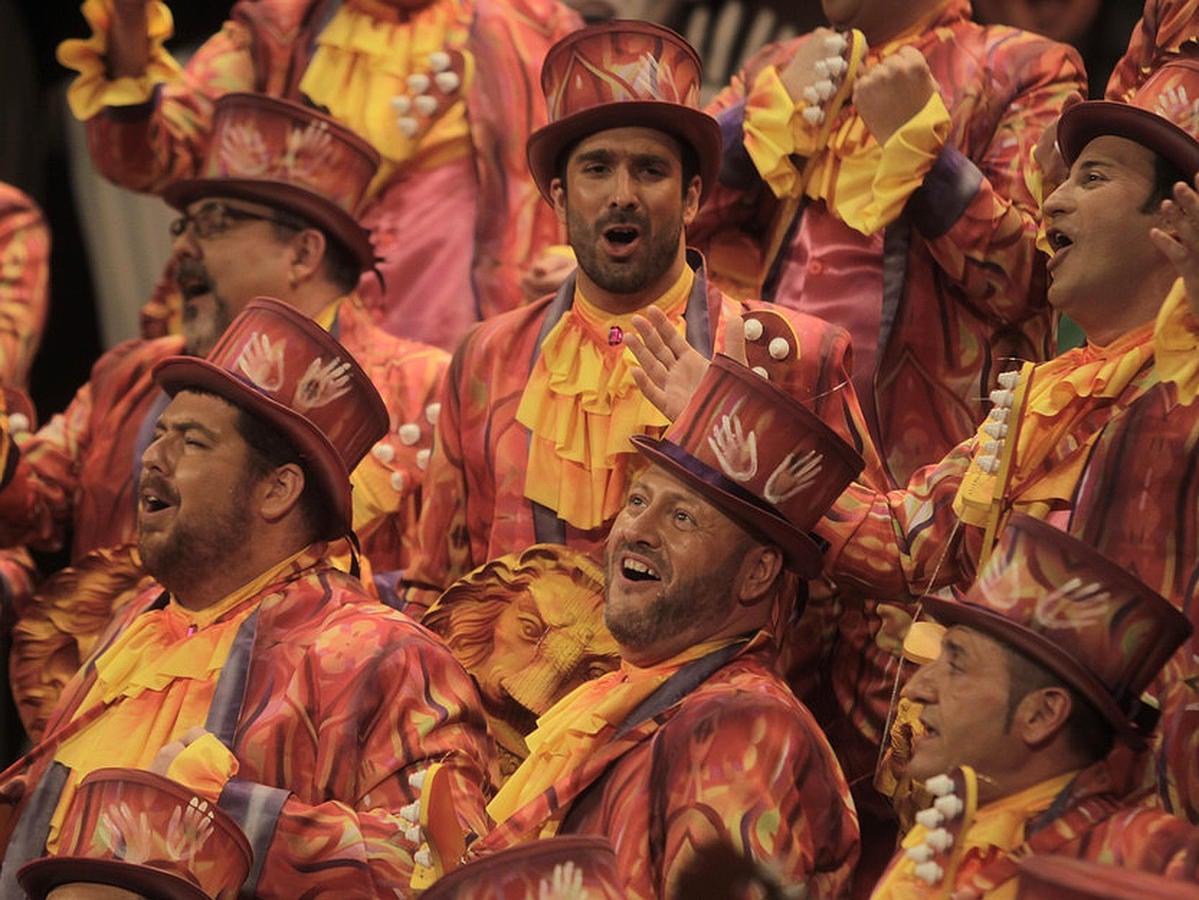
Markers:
632,565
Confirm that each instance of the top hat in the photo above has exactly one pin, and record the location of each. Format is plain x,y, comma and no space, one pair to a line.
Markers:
1163,115
619,74
279,365
1063,878
579,865
754,451
133,829
1064,605
281,153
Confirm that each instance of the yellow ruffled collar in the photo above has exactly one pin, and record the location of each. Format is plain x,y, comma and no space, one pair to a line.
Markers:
582,406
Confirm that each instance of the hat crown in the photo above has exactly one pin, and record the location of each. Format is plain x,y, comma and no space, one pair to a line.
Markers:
134,828
284,357
1172,92
277,141
617,62
1080,605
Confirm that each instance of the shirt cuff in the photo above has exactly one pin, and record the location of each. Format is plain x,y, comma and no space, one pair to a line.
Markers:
770,125
204,766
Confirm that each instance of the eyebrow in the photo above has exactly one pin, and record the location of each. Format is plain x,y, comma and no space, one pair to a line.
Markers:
606,155
189,425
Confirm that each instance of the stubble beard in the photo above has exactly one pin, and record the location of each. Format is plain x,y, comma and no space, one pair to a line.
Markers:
653,259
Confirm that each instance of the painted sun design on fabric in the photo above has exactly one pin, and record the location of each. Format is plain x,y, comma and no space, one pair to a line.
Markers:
736,451
794,475
261,361
322,383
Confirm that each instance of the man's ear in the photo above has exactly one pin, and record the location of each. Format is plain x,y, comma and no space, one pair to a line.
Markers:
308,252
760,569
1042,714
558,198
691,199
279,491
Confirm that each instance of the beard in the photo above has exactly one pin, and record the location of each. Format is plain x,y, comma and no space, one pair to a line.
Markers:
653,259
694,601
203,320
187,552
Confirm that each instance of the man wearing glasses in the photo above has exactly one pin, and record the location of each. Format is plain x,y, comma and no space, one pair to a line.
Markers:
271,213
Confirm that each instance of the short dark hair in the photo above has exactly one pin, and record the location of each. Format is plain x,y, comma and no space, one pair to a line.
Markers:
1165,176
340,265
1088,733
688,157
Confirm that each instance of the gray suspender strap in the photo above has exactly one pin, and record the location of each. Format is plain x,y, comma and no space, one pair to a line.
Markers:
28,841
547,527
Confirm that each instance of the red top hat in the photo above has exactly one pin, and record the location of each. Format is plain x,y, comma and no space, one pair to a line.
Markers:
1075,612
283,154
759,455
279,365
1062,878
620,74
133,829
1163,116
581,865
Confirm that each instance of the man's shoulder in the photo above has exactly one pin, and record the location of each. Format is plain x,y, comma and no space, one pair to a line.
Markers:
502,334
135,357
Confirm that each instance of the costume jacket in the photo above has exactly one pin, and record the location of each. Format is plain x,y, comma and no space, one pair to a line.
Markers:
329,701
1088,823
936,296
737,759
78,476
1109,454
24,284
476,507
1167,29
454,235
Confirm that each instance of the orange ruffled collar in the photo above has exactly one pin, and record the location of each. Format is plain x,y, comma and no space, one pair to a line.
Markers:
582,406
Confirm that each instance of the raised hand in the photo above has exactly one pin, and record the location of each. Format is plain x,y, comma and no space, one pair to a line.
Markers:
892,91
1179,239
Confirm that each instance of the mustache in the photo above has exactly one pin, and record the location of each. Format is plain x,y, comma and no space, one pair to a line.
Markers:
158,486
622,217
190,270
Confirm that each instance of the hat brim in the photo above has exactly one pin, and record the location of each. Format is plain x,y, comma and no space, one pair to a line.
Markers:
179,373
691,126
1082,123
43,875
1040,650
801,554
309,206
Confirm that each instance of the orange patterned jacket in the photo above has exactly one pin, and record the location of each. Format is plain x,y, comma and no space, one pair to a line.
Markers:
329,701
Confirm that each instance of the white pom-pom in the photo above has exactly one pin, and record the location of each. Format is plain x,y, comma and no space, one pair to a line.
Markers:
836,44
758,370
448,81
1009,379
939,839
409,434
779,348
397,482
753,329
939,785
422,458
411,811
423,857
383,452
930,818
920,853
814,114
401,105
432,413
425,105
929,872
408,127
418,83
18,422
439,61
950,805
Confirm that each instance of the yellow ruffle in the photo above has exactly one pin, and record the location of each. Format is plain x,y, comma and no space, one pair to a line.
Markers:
863,184
580,722
998,827
582,406
1176,344
363,62
1051,412
93,90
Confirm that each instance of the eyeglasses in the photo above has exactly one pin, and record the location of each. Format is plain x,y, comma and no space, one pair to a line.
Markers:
212,219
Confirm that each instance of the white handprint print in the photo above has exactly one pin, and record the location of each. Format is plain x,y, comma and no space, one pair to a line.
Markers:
322,383
792,475
736,452
566,883
262,362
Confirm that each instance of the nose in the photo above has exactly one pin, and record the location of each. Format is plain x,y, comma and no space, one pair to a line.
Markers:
635,526
154,456
921,687
1057,203
624,189
184,243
